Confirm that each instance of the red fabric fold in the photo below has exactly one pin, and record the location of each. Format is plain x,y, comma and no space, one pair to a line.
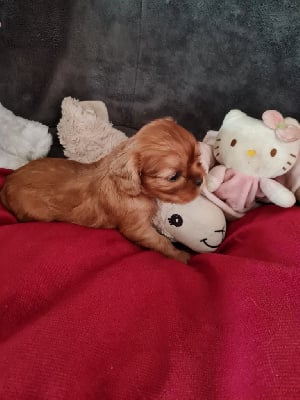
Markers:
85,314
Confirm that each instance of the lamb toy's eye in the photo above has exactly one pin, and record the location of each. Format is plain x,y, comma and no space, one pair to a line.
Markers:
175,220
233,142
273,152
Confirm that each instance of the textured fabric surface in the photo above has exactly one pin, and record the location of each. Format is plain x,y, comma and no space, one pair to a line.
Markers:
85,314
194,60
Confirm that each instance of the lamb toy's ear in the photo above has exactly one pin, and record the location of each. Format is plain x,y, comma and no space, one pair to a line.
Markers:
210,137
206,156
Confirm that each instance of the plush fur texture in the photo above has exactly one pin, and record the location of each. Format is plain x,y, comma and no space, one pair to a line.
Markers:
21,140
118,191
79,128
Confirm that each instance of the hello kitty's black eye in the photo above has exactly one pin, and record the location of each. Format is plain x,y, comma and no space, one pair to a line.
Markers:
273,152
233,142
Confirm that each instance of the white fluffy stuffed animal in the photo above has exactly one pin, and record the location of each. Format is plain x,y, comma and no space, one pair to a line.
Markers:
21,140
253,156
87,135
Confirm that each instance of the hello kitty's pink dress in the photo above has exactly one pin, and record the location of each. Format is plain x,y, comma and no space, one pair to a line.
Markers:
239,191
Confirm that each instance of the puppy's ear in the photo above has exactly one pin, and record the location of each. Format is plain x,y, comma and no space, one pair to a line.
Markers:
168,118
124,170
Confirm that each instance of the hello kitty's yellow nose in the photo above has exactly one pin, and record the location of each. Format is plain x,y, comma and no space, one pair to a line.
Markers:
251,153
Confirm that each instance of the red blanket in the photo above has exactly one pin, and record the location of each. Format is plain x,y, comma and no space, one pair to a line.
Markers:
85,314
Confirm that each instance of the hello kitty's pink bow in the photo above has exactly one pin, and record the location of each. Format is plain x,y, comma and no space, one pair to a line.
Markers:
286,129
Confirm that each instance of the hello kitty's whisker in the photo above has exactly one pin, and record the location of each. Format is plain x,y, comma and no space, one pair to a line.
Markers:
218,140
217,155
289,163
217,147
293,155
284,168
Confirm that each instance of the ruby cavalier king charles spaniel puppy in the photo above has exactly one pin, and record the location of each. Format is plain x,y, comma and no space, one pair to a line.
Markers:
161,161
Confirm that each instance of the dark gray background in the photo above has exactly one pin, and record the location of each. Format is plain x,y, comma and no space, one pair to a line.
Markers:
193,60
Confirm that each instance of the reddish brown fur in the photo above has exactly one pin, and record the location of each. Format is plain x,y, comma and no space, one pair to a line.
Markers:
117,191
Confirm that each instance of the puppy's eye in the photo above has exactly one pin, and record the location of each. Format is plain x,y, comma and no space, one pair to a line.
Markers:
174,177
273,152
233,142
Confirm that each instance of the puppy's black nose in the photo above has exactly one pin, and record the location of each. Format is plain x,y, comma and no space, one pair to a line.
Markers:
198,181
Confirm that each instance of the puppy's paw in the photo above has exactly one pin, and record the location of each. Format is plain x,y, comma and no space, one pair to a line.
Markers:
182,256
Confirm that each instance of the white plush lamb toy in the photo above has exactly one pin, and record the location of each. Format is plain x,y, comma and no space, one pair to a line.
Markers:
21,140
253,156
87,135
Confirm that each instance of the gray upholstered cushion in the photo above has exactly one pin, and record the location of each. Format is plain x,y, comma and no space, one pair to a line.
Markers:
192,59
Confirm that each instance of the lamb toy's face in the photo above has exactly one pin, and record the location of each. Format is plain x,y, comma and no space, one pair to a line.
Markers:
199,224
248,146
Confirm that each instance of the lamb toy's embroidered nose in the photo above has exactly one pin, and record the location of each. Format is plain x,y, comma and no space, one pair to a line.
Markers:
251,153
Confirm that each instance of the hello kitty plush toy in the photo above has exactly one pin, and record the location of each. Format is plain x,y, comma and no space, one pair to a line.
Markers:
253,155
